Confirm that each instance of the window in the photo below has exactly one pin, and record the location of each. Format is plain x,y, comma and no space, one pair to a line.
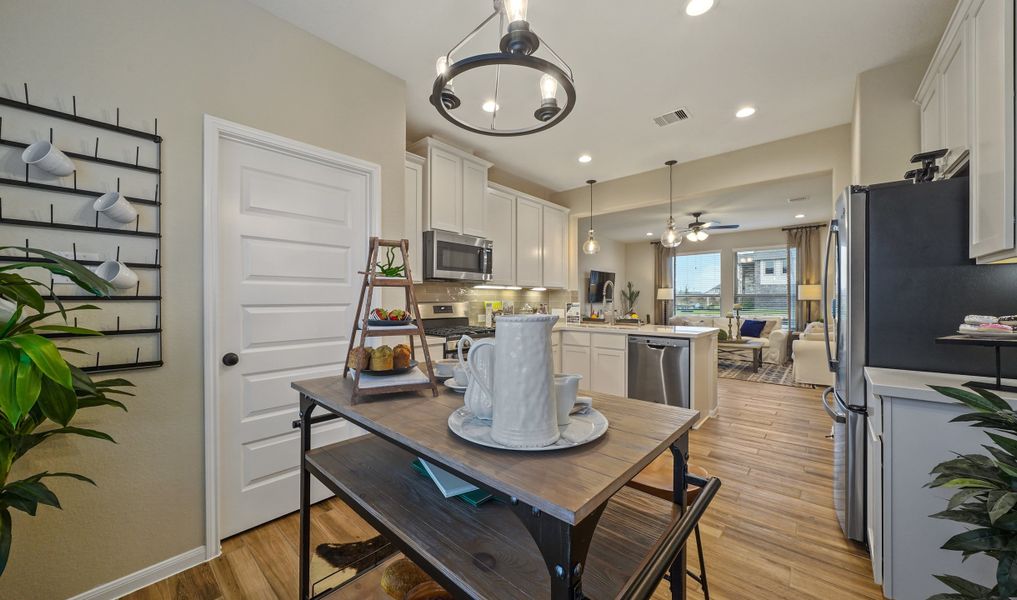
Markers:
761,282
697,284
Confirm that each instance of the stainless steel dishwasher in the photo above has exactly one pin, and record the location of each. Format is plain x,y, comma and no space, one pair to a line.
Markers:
659,370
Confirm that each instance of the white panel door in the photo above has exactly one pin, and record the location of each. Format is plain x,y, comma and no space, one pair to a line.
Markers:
607,368
474,195
529,271
501,230
293,233
554,247
445,191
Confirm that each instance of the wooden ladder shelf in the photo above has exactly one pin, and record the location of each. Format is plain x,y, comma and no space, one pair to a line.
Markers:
360,322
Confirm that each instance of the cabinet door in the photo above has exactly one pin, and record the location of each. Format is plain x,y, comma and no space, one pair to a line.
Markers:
413,205
501,230
554,247
608,371
445,197
575,360
529,270
931,122
474,193
954,97
991,128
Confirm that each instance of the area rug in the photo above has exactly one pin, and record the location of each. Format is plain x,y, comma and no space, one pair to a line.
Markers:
770,373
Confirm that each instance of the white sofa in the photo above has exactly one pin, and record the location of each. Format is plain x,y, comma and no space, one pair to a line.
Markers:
809,354
774,344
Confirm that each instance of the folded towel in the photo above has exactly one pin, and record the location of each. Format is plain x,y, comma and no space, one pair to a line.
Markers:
980,319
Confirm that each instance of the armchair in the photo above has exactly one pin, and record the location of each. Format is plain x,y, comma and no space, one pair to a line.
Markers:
809,355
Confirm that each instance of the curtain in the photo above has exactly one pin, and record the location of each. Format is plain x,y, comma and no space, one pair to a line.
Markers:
807,242
663,277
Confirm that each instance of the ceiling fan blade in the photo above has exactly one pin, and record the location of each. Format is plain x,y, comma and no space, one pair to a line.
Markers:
725,226
709,224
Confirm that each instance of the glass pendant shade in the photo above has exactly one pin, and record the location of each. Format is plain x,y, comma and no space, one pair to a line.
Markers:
591,246
670,237
691,236
516,10
548,87
701,235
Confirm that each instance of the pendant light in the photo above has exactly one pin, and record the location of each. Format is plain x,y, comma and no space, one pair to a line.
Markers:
670,238
591,246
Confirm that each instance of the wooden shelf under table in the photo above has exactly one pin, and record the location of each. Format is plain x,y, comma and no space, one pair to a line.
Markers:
485,550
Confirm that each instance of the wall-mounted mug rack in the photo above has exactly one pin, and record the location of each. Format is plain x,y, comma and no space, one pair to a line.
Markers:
101,158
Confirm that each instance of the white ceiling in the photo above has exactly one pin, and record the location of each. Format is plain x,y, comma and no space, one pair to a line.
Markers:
758,206
796,60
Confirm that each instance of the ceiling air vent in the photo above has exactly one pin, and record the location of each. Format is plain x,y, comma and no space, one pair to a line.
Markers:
670,118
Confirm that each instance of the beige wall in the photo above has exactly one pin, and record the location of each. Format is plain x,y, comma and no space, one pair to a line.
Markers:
886,129
611,258
175,61
496,175
639,261
827,150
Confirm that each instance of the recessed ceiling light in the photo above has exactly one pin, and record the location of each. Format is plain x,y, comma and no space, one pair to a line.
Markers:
745,112
585,158
649,234
799,216
490,106
697,7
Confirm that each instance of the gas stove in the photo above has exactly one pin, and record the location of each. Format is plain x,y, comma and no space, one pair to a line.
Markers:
450,320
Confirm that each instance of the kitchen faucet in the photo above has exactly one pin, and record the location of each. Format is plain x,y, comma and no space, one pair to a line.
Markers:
609,299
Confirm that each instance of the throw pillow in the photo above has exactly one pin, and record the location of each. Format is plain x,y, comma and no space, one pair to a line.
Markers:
752,328
771,324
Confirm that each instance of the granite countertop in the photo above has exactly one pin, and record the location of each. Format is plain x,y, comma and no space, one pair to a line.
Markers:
896,383
661,330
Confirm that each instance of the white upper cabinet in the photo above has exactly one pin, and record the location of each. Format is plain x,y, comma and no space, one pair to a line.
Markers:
555,247
500,215
455,184
967,106
529,234
413,204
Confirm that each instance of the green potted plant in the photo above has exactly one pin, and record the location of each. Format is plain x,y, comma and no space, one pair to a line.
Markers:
986,496
40,392
629,297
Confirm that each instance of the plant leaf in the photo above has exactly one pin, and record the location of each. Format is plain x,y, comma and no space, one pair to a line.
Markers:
58,403
68,329
967,589
27,385
92,433
977,540
45,356
1006,443
1006,575
25,505
8,376
971,517
32,490
967,482
20,291
46,474
5,538
80,275
962,496
971,399
1002,506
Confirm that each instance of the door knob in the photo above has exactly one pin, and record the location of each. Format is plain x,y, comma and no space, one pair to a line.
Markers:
229,359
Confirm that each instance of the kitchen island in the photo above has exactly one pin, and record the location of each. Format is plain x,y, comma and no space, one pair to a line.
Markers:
600,353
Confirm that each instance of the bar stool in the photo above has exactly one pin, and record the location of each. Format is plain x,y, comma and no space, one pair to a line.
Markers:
657,479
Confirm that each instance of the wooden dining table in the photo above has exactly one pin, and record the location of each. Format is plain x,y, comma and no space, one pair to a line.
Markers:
562,525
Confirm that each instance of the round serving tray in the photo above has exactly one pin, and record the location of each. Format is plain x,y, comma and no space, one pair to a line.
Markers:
387,323
583,428
413,365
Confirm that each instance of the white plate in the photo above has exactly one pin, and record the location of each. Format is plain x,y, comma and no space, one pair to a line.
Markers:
454,386
1005,335
584,427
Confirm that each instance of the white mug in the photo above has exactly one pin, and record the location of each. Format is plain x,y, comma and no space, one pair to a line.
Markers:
48,157
565,389
117,274
460,376
116,206
443,367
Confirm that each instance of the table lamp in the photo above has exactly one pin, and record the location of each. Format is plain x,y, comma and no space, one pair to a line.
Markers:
663,295
809,293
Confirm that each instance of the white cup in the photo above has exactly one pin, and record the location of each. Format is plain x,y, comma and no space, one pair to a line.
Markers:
48,157
460,377
116,206
444,367
117,274
565,389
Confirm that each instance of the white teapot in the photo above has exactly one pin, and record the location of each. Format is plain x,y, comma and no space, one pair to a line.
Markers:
480,370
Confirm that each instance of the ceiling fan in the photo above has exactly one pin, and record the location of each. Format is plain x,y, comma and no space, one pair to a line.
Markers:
698,231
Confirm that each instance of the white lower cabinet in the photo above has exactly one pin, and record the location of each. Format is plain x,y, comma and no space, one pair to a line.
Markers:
435,346
575,360
607,367
598,357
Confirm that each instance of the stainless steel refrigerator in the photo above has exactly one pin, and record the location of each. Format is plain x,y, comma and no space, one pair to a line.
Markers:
897,277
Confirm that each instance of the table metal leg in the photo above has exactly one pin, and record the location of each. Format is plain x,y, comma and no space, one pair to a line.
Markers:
306,408
563,546
680,452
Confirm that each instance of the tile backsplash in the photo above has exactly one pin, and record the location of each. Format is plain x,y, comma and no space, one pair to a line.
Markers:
452,292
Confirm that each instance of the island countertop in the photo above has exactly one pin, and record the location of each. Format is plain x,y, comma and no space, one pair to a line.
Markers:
659,330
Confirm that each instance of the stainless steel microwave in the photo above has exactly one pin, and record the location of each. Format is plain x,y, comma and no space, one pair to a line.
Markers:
456,257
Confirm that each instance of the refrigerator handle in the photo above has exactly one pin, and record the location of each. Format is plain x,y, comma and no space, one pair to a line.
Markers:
838,417
831,231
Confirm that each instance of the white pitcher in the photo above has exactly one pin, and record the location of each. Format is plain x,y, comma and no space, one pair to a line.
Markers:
525,411
480,368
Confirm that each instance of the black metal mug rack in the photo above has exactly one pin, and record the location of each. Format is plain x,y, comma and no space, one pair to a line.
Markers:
150,231
995,343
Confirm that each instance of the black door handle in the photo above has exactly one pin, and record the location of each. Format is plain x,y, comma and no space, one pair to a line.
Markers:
229,359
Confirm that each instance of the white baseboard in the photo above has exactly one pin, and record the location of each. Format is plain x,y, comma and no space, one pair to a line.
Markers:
147,576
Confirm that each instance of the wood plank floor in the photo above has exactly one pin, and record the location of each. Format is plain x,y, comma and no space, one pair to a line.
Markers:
770,533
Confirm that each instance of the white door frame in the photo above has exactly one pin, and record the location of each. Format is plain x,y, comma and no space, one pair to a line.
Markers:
215,130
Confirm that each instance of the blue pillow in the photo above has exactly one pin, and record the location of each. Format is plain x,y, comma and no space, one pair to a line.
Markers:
752,328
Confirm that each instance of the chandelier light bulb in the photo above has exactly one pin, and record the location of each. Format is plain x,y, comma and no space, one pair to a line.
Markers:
516,10
548,87
591,246
670,237
441,65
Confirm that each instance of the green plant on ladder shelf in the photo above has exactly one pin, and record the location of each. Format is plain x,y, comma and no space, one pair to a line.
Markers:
389,269
986,496
40,392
